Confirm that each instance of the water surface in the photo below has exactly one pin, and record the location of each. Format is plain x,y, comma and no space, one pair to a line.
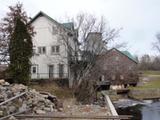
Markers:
145,111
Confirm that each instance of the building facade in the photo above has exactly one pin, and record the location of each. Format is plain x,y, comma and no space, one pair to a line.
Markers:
117,67
54,46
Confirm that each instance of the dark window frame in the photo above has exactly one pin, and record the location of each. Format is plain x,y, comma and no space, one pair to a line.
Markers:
34,69
55,49
42,50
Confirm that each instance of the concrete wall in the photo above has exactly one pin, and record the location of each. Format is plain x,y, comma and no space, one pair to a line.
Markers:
109,104
145,93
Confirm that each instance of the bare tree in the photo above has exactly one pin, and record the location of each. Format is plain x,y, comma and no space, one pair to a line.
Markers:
156,44
145,62
155,65
85,24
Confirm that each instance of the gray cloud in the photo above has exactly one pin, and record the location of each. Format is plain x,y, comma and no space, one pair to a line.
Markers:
139,18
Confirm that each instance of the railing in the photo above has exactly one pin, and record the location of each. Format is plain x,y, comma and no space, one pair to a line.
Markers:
49,75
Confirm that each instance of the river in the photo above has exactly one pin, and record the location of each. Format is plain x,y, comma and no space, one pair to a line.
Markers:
146,110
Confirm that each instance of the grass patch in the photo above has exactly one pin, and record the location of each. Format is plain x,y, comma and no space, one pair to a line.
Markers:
150,72
152,84
53,88
149,86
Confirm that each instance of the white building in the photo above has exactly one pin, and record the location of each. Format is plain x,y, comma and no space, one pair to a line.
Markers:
54,45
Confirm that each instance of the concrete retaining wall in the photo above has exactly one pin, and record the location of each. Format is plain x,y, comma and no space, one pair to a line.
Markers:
144,94
110,105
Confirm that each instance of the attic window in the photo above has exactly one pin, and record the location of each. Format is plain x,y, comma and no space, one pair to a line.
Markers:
54,31
117,58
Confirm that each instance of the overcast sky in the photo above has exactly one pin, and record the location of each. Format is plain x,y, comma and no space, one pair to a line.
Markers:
139,19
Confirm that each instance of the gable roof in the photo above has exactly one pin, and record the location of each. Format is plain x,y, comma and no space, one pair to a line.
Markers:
127,54
67,26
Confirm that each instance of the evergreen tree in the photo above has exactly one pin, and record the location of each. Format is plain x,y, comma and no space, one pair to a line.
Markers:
20,52
7,28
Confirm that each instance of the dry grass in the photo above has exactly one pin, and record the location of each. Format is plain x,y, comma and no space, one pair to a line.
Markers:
53,88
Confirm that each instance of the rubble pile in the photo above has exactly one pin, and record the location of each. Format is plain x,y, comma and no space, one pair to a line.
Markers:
16,98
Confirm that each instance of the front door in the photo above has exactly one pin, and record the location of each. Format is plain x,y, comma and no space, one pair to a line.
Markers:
51,70
61,70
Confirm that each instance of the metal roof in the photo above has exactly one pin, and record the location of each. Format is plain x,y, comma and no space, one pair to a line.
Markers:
129,55
68,25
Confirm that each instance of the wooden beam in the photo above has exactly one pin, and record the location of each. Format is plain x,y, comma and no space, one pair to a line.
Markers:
124,117
13,114
10,99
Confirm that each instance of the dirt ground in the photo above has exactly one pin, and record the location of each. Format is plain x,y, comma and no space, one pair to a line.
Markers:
70,105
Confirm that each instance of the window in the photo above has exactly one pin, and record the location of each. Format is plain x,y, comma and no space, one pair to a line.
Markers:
117,58
41,50
117,68
130,67
54,30
113,77
55,49
34,69
121,77
51,71
34,50
102,78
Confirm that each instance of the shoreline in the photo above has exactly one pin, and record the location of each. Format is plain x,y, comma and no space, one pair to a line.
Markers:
144,94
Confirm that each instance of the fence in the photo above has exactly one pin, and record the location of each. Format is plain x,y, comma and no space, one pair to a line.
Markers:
49,75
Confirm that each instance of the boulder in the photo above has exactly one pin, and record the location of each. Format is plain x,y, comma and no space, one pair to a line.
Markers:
47,109
23,107
1,113
18,88
6,84
40,112
2,81
12,118
12,109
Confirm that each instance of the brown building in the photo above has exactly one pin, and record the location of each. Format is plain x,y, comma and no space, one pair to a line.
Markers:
117,67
